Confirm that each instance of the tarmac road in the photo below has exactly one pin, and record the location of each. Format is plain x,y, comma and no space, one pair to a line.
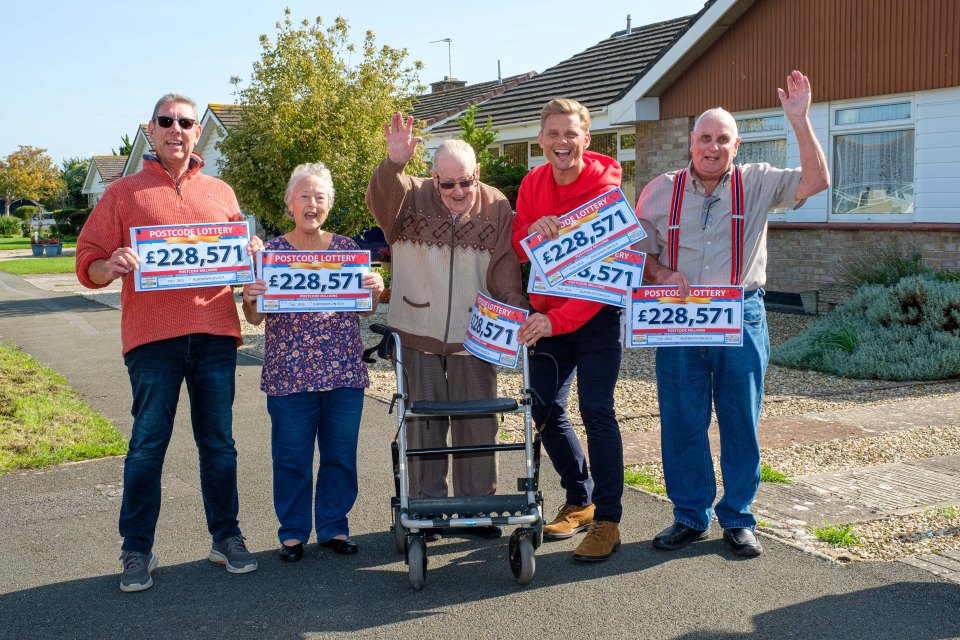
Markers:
59,547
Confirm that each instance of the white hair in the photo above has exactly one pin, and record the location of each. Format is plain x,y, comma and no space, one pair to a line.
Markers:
306,170
458,149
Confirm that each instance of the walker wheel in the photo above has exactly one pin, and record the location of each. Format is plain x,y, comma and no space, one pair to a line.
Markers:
523,563
417,561
399,532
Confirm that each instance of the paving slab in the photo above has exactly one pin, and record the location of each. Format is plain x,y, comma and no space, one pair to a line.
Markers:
861,495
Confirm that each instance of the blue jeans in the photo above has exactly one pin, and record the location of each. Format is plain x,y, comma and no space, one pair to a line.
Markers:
329,421
689,379
157,370
592,353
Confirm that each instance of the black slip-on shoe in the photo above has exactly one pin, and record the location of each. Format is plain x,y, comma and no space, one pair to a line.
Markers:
677,536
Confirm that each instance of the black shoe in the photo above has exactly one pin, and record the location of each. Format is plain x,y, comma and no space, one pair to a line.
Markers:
677,536
291,553
743,542
432,534
343,546
491,532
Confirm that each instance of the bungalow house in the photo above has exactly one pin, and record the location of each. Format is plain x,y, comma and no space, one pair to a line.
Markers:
886,88
103,170
217,120
141,145
594,77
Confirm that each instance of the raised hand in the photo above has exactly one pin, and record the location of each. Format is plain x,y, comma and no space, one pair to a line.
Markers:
796,99
401,143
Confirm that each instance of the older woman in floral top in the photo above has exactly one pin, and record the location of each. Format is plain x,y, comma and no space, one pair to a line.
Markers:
314,379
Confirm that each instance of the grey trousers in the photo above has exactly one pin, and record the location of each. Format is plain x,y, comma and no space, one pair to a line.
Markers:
433,377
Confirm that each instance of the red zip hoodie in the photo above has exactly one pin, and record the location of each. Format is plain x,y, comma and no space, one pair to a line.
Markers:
540,196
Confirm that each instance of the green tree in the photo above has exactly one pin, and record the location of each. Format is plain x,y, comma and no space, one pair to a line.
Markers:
480,138
313,96
28,173
125,146
497,172
74,175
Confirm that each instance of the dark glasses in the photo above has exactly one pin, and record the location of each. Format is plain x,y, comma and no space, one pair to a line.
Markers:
166,122
464,184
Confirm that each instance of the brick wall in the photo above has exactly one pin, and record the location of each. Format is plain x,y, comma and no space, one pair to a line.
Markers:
802,259
662,146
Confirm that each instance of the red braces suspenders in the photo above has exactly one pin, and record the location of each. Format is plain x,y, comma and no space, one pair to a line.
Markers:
736,223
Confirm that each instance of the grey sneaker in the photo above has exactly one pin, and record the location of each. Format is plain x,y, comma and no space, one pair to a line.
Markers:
232,553
137,567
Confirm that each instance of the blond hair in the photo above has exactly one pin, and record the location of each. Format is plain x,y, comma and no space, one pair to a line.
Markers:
565,106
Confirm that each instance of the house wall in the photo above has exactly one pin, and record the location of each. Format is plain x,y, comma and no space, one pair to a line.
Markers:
662,146
848,48
803,258
937,163
209,152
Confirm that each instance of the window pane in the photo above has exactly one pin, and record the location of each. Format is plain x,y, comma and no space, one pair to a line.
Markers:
536,151
516,152
899,111
873,172
766,123
771,151
628,140
605,143
494,151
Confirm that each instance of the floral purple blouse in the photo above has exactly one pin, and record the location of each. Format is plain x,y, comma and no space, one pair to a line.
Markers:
312,351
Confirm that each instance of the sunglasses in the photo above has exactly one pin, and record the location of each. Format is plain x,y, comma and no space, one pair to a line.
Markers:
166,122
464,184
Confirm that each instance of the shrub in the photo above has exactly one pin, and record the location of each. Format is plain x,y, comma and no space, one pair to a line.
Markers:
910,331
78,218
11,226
26,212
884,264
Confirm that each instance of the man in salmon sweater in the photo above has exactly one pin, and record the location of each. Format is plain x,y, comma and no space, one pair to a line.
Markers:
170,336
574,338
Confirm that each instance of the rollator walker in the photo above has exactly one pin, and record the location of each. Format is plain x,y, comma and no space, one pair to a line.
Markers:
411,515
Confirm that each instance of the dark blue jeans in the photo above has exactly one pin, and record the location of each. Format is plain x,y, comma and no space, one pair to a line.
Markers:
591,353
330,422
157,370
689,381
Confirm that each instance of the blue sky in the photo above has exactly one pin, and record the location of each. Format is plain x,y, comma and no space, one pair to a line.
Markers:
80,75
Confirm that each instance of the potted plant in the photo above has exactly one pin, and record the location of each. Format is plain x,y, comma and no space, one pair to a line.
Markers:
54,246
37,242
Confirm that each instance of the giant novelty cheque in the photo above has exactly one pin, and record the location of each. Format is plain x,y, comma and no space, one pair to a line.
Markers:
708,316
492,331
302,281
588,234
179,256
608,281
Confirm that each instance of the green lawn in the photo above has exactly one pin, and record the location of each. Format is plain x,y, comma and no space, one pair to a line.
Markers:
7,244
34,266
43,421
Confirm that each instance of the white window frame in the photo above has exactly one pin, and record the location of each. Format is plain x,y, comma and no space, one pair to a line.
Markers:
868,127
766,136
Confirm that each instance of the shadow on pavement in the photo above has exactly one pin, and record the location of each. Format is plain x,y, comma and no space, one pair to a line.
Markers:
323,593
861,614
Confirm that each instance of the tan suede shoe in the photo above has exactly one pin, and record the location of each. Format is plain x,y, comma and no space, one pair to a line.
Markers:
570,519
601,541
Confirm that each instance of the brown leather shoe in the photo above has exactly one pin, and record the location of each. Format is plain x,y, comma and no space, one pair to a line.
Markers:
601,541
571,519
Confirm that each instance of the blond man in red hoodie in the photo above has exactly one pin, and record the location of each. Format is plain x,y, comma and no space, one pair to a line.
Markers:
574,339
